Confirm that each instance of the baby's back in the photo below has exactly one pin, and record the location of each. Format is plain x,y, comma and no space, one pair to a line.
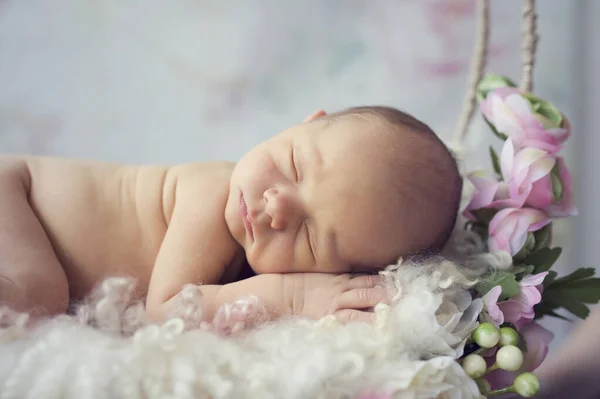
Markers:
102,219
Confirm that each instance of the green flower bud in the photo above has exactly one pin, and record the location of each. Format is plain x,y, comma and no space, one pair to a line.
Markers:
527,248
509,358
557,185
486,335
508,336
526,385
530,242
474,365
542,238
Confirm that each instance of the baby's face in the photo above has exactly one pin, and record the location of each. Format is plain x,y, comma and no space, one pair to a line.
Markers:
315,198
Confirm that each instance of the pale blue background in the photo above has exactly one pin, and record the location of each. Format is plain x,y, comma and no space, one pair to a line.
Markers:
158,81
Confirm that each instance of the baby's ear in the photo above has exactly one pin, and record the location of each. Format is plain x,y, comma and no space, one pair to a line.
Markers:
315,115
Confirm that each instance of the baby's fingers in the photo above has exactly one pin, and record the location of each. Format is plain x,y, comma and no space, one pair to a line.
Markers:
364,281
362,298
350,316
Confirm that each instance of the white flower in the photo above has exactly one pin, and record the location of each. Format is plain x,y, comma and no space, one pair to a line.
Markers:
434,312
439,377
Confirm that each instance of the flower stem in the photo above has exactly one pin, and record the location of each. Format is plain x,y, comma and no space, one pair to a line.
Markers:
492,368
502,391
480,351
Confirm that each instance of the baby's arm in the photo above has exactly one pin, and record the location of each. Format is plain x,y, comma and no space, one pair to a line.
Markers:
197,246
309,295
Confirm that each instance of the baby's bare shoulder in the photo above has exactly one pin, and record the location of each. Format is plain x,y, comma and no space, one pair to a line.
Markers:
197,230
197,184
211,171
201,178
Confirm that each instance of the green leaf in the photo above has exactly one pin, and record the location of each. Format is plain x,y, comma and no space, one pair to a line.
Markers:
542,238
548,306
584,290
578,274
491,82
549,278
587,290
586,295
518,269
543,259
484,215
545,108
571,292
544,308
577,308
522,271
501,136
495,161
506,280
546,123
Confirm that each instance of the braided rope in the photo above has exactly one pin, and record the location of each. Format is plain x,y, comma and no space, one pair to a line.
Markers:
529,45
529,38
477,69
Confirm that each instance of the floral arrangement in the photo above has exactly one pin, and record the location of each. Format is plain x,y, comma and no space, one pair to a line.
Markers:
512,209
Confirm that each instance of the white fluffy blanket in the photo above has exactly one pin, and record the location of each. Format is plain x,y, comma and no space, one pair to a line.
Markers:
106,350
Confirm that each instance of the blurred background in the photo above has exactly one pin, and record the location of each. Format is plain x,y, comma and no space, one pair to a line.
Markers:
156,81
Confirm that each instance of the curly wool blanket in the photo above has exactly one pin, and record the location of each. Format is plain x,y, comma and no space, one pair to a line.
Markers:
107,350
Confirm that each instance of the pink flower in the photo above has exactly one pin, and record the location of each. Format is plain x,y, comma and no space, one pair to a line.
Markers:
530,177
509,227
537,339
541,193
519,308
490,302
512,115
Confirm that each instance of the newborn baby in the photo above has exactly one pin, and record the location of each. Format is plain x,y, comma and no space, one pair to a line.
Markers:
311,211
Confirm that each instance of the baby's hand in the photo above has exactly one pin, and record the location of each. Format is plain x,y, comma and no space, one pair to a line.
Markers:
349,297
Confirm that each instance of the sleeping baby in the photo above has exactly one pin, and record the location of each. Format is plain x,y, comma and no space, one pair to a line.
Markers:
310,215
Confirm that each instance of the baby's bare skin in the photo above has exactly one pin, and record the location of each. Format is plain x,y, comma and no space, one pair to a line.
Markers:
304,209
107,220
102,220
121,214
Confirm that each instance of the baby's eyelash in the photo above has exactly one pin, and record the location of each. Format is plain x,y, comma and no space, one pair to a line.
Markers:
308,239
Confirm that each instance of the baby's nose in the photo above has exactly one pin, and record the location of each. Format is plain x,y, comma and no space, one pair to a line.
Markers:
280,206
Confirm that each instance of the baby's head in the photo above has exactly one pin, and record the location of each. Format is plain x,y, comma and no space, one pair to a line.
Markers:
346,192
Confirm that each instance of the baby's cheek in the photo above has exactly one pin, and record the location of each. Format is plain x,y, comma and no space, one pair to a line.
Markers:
262,164
277,256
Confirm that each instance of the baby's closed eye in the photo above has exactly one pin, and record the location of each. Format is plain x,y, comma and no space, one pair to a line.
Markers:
294,165
309,241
